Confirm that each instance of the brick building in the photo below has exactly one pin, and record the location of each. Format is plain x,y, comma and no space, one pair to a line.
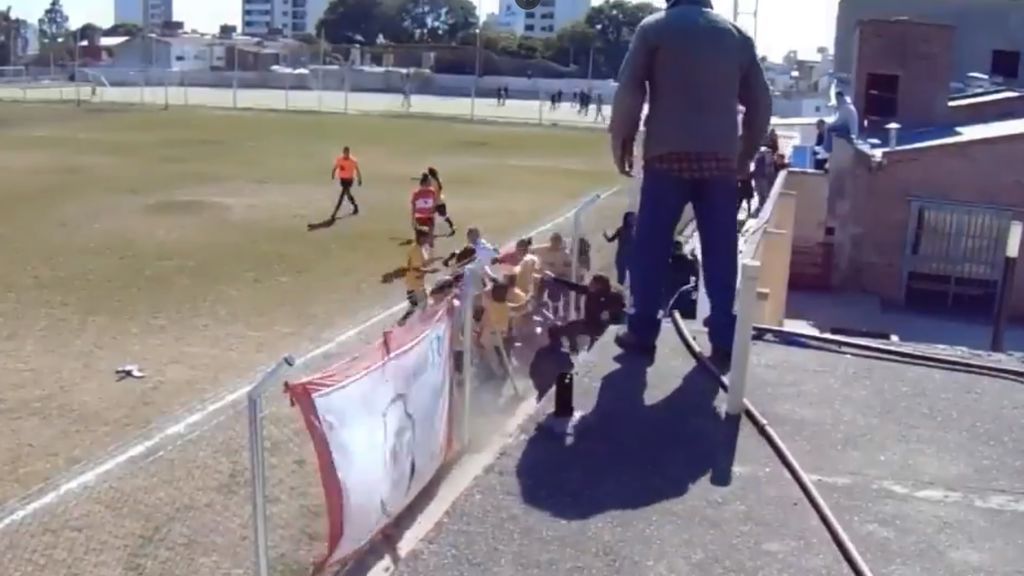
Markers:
919,214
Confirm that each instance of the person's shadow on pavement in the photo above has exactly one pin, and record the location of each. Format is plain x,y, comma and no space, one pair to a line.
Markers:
627,455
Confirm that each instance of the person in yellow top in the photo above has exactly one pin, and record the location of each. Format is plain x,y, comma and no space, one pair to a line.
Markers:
346,171
555,260
416,269
494,327
442,206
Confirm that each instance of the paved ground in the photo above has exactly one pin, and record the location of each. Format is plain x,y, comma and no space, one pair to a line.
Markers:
645,488
923,468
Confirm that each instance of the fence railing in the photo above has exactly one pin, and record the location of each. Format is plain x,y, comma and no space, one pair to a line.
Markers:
177,500
281,521
315,90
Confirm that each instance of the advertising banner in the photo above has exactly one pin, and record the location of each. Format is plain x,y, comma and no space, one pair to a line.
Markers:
381,433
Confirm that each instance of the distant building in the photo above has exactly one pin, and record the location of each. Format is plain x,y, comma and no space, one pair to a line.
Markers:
801,87
196,52
149,14
921,206
989,33
260,17
543,22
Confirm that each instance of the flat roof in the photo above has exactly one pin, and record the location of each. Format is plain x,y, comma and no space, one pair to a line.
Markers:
988,96
915,139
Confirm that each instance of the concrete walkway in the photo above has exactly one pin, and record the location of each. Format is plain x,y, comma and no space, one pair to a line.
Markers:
655,481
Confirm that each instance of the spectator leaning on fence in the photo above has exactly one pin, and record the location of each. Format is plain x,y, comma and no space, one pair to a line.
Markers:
693,67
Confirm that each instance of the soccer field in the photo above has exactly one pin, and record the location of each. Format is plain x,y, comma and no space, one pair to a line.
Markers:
177,240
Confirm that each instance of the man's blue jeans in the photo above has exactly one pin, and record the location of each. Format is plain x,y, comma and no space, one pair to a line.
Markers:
663,196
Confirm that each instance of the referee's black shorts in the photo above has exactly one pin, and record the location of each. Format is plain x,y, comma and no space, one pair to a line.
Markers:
346,183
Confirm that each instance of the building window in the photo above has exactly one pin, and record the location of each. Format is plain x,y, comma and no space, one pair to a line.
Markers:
547,3
881,96
1006,64
298,27
530,16
547,16
528,28
179,58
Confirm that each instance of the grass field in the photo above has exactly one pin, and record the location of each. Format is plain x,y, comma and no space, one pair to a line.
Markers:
177,240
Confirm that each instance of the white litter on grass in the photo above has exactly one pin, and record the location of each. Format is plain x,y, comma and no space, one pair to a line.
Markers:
129,371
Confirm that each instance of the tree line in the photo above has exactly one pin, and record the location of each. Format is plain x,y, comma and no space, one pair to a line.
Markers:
596,45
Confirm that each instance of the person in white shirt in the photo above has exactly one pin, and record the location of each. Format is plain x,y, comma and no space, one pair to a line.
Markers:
845,124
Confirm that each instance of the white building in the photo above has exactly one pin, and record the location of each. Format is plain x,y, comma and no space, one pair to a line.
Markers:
543,22
149,14
290,16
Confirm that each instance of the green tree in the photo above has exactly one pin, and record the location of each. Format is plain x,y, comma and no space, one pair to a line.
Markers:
122,29
571,45
438,21
614,23
53,26
361,22
12,30
89,31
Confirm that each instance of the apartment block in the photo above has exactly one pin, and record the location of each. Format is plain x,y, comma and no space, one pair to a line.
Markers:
289,16
149,14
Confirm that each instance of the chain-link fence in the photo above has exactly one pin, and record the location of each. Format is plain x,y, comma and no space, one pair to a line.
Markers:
327,88
179,501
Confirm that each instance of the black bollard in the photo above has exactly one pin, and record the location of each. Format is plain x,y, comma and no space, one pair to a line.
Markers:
563,396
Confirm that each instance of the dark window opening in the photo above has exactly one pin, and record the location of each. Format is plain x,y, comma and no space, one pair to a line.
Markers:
881,96
1006,64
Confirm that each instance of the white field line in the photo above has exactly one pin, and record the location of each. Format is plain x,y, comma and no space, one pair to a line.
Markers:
187,425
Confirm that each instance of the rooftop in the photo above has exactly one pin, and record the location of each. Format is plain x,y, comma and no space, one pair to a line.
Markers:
920,466
951,135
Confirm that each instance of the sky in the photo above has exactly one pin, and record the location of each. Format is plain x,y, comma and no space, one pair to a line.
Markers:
783,25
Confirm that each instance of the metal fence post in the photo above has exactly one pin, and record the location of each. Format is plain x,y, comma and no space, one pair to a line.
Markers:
540,105
184,87
347,79
167,92
257,462
320,88
469,285
287,90
746,301
577,226
142,88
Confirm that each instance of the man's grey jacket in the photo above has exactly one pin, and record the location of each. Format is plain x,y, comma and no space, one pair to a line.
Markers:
694,67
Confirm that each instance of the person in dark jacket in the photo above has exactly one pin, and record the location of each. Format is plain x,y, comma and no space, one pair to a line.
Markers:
624,238
694,69
602,307
549,361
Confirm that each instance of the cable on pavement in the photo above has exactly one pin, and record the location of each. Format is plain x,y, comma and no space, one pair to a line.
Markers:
835,530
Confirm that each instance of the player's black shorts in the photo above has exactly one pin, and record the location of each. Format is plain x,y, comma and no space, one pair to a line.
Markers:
346,183
442,210
414,298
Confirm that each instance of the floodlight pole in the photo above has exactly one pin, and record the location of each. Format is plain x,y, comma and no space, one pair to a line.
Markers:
476,68
78,93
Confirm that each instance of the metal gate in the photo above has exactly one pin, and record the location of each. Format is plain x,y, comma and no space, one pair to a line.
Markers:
954,256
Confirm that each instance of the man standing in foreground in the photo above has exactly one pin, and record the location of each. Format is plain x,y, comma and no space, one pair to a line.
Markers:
694,67
346,170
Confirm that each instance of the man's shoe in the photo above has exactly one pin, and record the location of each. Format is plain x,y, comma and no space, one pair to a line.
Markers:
355,211
721,360
630,344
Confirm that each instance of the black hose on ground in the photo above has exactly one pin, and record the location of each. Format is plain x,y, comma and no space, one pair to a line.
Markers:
891,353
842,541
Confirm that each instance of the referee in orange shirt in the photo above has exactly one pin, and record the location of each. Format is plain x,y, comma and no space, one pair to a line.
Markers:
346,170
